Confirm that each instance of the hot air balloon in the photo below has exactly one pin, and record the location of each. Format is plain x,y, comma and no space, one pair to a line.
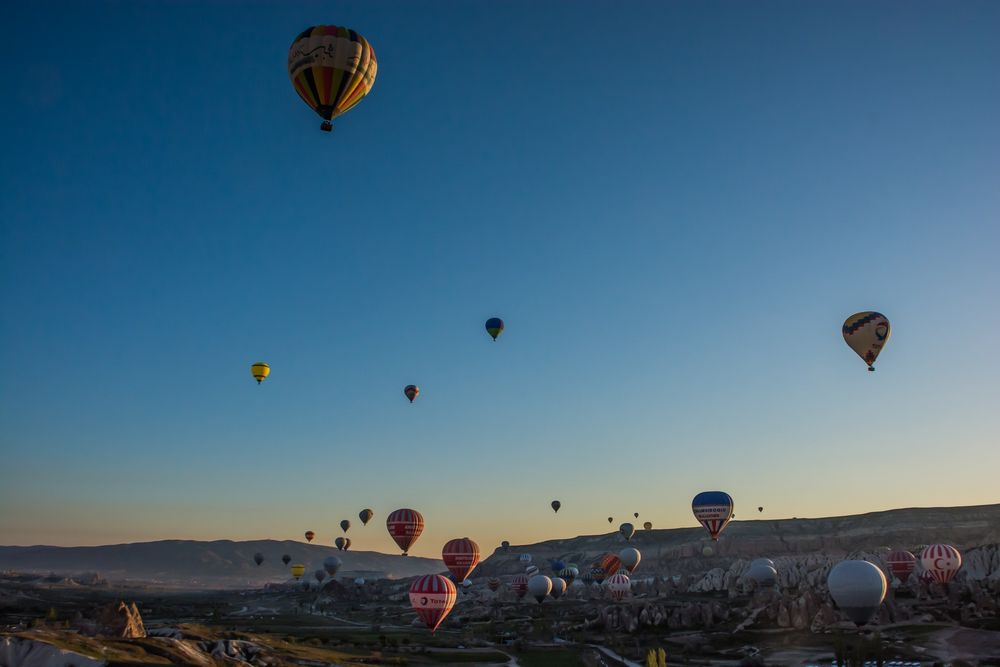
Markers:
611,519
597,574
494,327
320,575
332,564
360,581
760,509
259,371
867,333
627,530
942,561
531,570
767,562
618,586
901,563
713,509
341,543
539,586
432,597
365,516
258,558
556,505
648,525
609,563
556,565
524,558
411,391
505,545
519,584
762,574
558,588
344,525
635,514
858,587
493,584
405,526
460,556
310,535
467,585
298,570
568,574
286,559
707,551
332,68
629,558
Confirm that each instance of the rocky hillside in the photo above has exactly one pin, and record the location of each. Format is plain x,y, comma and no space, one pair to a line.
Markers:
219,563
683,550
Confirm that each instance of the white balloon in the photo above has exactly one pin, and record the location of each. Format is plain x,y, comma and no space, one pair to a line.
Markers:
858,587
539,586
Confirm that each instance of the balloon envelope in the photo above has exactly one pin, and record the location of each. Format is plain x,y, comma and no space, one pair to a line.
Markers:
286,559
460,556
365,515
901,564
524,558
432,597
942,561
648,525
320,575
310,535
627,530
259,371
411,391
558,587
494,327
539,586
618,586
556,505
763,574
405,526
331,68
493,583
858,587
629,558
332,564
258,558
344,525
713,509
298,570
867,333
519,584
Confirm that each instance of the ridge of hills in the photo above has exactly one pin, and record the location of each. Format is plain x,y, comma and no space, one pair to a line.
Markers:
218,562
673,548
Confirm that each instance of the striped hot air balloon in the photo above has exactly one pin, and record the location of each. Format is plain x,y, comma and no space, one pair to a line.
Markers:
867,333
493,583
405,526
942,561
713,509
524,558
365,515
460,556
519,584
901,563
432,597
332,68
568,574
610,563
298,570
618,586
260,371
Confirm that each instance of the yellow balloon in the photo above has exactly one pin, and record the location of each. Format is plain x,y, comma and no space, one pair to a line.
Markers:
298,571
259,371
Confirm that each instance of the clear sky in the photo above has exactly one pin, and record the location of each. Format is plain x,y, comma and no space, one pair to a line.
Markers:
673,206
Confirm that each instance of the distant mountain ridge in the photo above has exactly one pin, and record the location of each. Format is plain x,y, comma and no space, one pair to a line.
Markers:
217,563
676,549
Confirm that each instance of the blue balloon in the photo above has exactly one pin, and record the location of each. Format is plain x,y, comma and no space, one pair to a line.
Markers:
713,509
557,565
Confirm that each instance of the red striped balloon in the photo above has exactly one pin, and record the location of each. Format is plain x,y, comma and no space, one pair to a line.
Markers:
405,526
432,597
942,561
519,584
460,556
901,563
493,583
618,586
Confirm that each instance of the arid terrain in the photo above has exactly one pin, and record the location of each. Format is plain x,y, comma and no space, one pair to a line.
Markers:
700,609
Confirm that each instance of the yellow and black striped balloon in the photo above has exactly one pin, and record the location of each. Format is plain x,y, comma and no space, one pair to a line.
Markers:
260,370
332,68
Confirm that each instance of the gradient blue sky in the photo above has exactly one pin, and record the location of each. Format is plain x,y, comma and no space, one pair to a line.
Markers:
673,206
